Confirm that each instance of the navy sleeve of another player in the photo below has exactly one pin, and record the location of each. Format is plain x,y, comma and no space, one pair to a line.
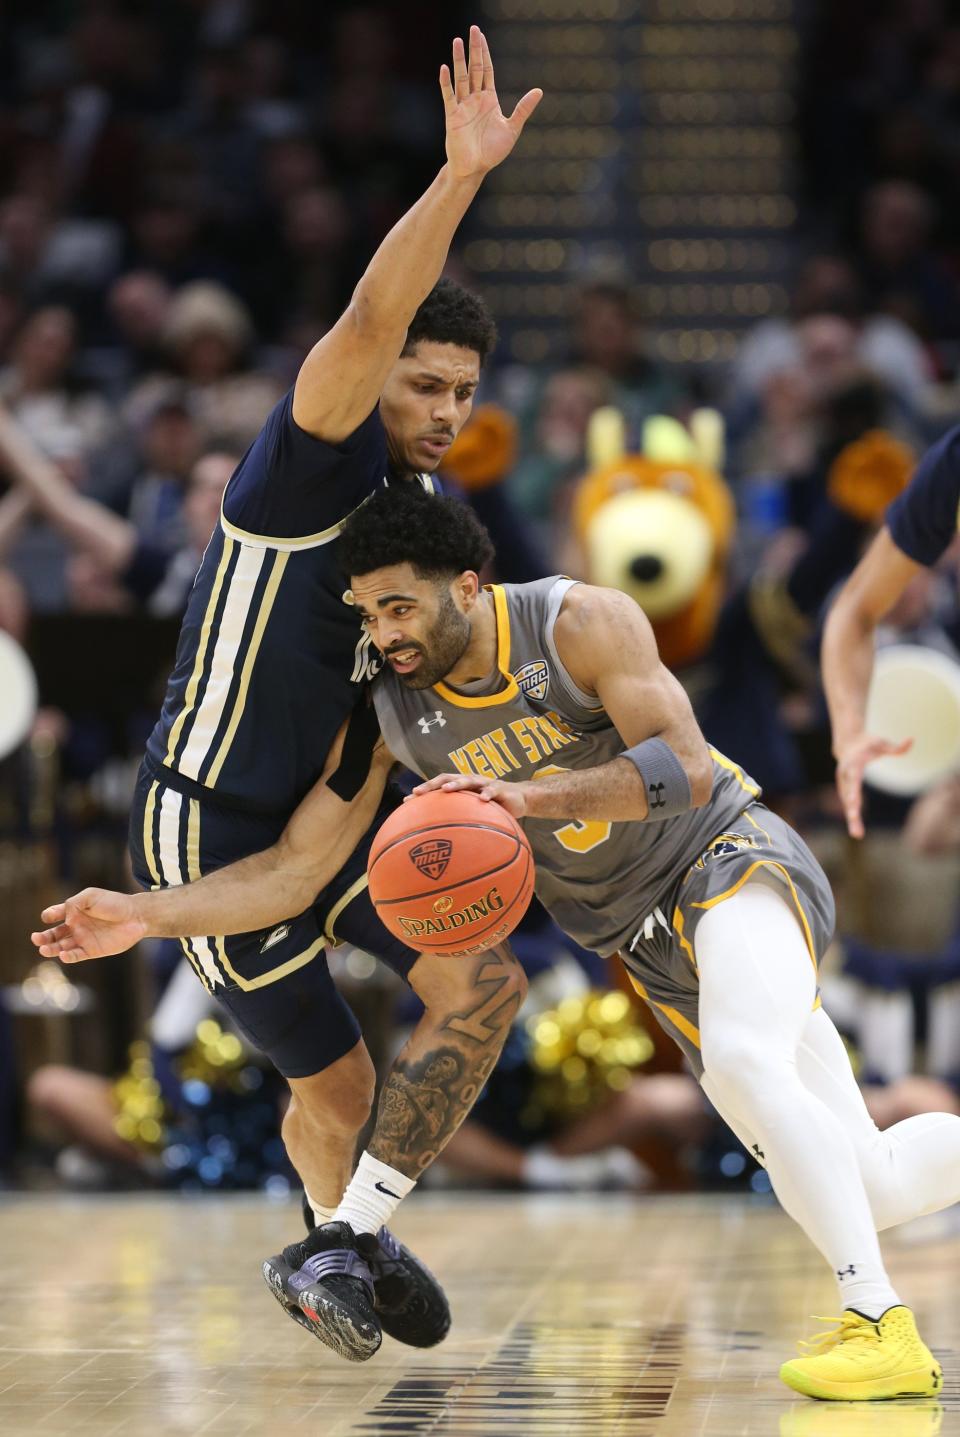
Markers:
290,485
924,518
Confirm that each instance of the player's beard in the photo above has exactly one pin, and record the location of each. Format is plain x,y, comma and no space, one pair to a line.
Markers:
444,646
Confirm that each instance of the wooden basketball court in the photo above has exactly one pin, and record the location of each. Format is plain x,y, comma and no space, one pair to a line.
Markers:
601,1316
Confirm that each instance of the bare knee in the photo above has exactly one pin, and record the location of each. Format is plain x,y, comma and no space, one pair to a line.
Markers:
339,1099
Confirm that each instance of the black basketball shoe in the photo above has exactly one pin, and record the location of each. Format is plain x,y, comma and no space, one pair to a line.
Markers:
407,1298
325,1284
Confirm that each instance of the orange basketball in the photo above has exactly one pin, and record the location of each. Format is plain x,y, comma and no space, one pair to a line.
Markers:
450,873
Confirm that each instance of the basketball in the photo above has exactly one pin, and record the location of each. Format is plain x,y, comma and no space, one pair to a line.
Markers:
451,873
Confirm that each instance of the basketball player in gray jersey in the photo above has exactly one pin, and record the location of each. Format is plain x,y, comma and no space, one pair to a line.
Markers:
635,887
550,699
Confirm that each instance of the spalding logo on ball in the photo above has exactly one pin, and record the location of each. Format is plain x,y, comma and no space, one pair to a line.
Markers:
450,873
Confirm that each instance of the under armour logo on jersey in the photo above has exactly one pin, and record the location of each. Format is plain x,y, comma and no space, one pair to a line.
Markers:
850,1271
438,721
657,799
757,1153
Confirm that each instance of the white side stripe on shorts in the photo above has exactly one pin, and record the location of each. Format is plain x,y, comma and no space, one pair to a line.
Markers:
223,661
171,871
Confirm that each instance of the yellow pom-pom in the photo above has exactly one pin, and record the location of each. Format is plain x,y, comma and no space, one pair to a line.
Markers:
584,1048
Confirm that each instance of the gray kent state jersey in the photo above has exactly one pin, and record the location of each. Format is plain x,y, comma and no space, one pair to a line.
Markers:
599,880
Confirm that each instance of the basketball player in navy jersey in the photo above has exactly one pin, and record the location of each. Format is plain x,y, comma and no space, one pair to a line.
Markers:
269,665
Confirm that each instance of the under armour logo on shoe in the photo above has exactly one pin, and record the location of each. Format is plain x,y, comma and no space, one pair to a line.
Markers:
427,724
758,1154
381,1189
657,799
850,1271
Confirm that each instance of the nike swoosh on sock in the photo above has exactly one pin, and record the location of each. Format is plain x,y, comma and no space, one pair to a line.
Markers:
381,1189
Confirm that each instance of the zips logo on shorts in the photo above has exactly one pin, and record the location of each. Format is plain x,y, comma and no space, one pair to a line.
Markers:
725,844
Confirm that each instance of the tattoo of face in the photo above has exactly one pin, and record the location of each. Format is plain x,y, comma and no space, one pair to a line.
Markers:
422,1105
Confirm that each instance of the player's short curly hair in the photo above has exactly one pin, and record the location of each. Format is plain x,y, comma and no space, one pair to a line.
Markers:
450,314
437,536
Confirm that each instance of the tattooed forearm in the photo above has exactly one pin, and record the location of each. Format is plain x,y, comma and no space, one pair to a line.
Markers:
438,1076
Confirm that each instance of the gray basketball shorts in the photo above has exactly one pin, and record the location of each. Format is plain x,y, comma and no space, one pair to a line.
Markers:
660,959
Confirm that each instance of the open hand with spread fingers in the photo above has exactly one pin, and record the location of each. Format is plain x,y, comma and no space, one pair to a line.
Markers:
91,924
851,764
479,135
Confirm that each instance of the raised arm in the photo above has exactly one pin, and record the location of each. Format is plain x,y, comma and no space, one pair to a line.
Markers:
253,893
608,648
847,660
15,509
89,525
343,374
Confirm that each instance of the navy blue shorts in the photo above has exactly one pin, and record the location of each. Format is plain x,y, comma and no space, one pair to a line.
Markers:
275,983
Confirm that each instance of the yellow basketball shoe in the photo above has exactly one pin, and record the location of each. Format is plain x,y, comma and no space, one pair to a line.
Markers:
864,1361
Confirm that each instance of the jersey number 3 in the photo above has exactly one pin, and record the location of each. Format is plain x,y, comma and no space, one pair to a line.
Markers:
583,834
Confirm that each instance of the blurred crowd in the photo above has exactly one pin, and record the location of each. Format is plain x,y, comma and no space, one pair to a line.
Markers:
188,193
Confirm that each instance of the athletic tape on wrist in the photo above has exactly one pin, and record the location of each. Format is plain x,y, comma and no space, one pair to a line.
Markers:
664,777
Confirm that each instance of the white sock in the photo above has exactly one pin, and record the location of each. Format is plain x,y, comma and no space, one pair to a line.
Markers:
372,1194
867,1289
320,1214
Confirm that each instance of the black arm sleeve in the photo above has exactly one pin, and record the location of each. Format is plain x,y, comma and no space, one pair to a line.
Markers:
363,733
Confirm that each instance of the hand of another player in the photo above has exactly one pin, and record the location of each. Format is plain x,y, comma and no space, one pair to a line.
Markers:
91,924
850,767
479,135
511,796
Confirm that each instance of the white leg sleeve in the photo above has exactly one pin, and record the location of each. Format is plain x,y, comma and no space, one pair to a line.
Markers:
910,1169
757,989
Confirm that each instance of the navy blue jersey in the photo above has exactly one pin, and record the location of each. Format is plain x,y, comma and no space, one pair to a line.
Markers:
270,659
924,518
